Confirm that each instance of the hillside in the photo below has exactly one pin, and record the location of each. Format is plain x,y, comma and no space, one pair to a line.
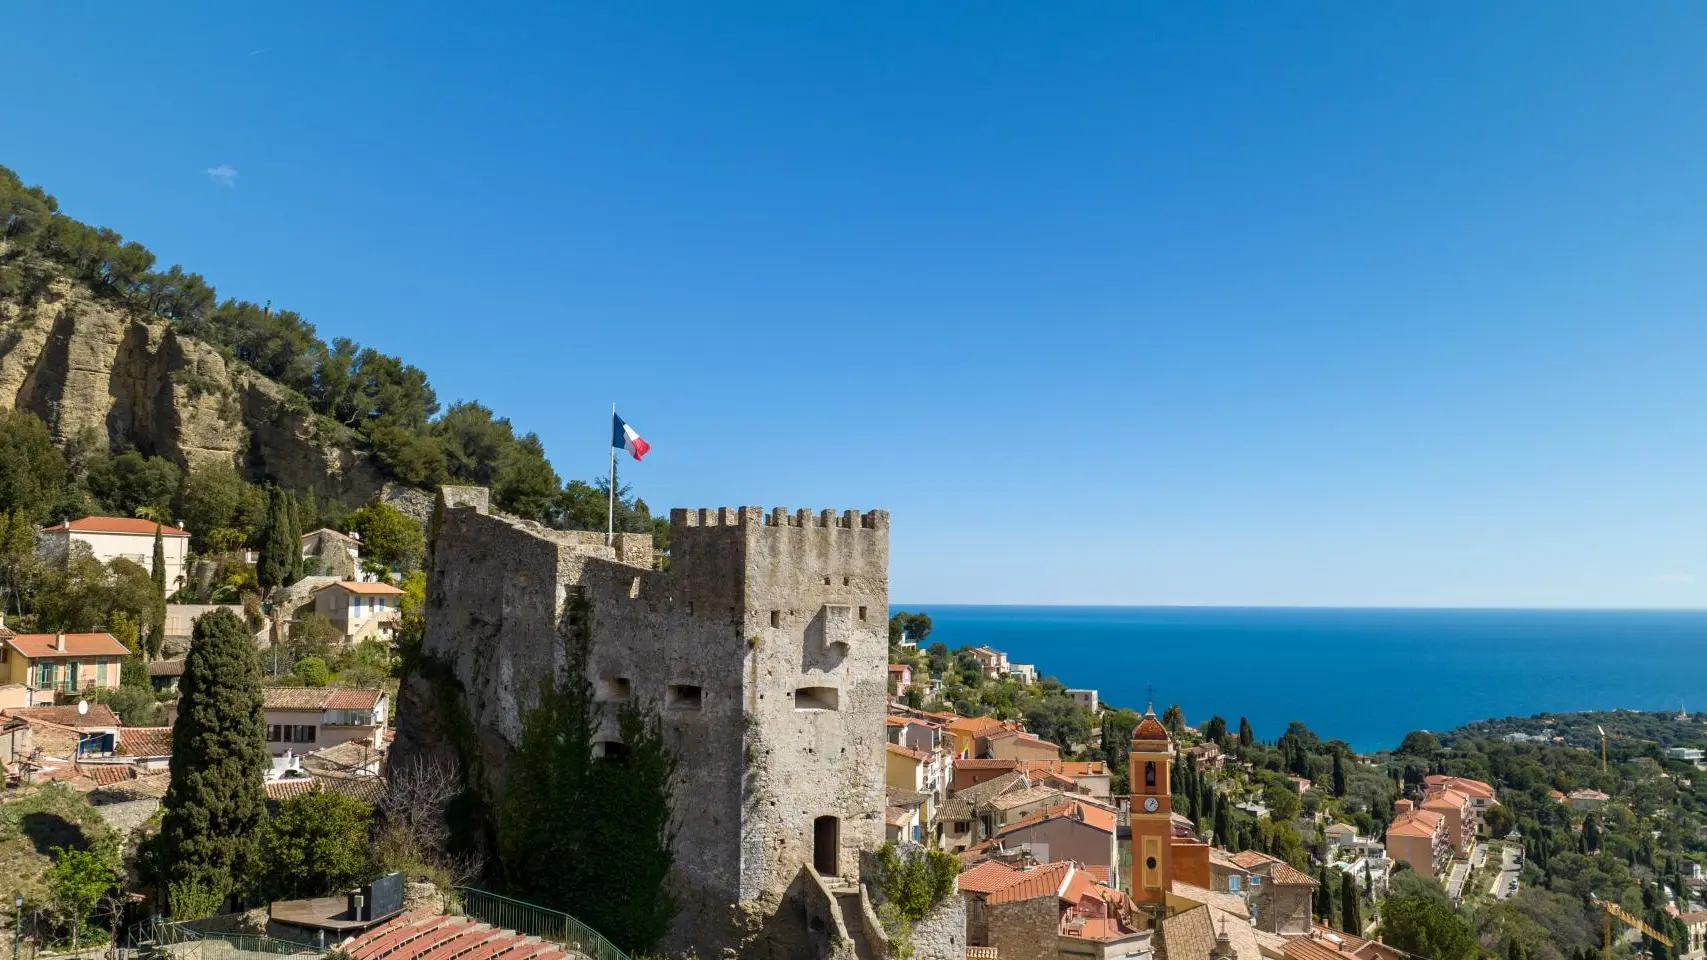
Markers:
109,352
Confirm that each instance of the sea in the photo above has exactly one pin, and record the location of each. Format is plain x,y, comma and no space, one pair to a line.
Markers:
1366,676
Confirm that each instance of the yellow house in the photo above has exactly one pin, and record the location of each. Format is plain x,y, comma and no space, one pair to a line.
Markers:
60,665
965,731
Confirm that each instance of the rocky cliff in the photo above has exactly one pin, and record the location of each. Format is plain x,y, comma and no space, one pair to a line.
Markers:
82,363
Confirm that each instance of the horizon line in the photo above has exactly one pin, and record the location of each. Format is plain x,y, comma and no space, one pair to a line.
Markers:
923,607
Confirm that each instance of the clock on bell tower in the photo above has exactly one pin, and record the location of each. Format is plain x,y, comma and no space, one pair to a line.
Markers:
1151,813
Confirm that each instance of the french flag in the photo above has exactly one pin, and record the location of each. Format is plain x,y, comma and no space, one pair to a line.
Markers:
622,435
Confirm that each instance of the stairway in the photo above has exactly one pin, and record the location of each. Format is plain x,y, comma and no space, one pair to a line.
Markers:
847,905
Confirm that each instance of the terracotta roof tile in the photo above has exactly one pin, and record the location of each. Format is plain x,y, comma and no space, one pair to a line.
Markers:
1066,768
1150,730
364,588
1189,934
971,764
66,715
319,698
369,790
146,741
166,668
45,646
1305,948
106,774
1284,874
908,752
1252,859
127,525
1044,881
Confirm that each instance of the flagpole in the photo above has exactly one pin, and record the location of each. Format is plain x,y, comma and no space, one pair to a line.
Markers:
610,516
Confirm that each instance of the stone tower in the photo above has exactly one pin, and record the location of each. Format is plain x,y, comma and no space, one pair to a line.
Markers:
1150,756
764,647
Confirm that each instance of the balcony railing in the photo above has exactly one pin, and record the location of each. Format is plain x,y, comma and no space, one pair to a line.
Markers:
536,921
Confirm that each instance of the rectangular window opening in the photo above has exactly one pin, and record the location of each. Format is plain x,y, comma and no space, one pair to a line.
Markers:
616,688
817,698
844,581
862,613
826,581
634,589
776,618
614,751
684,696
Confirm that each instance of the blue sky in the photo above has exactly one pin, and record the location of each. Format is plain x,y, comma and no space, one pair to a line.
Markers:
1107,303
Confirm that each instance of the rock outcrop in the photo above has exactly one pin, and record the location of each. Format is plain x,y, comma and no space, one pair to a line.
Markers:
81,364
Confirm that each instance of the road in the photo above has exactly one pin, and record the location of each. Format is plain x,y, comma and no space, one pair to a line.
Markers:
1509,869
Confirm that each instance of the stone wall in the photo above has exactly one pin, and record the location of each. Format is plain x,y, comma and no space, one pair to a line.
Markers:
764,648
941,935
1024,929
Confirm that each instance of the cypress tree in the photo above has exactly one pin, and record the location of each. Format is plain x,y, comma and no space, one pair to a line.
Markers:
1591,834
1351,919
1339,776
1222,835
293,539
155,638
1246,737
1324,896
215,806
274,565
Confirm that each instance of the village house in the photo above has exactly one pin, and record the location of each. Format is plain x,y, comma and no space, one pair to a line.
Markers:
64,735
1081,832
301,719
1208,754
1694,946
164,675
905,818
360,610
181,623
60,667
1279,896
1418,838
1085,698
900,677
970,773
149,748
1010,744
915,771
964,732
1586,800
1301,784
994,663
1090,777
119,538
1049,911
1339,834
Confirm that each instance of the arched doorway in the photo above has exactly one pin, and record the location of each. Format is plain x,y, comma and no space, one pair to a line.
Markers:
826,845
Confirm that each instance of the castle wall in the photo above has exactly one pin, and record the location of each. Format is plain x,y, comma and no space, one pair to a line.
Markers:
764,647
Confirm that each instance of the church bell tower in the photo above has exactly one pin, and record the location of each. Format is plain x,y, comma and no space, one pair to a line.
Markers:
1150,758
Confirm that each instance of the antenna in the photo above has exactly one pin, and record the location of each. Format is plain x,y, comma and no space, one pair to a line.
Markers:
82,708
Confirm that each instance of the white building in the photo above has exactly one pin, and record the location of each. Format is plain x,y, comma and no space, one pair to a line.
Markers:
303,719
110,538
1691,754
1086,699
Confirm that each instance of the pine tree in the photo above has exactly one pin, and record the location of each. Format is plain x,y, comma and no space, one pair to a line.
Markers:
274,565
214,807
1246,737
1339,776
1351,917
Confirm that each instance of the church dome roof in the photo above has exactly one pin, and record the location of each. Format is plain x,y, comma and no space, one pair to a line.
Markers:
1150,730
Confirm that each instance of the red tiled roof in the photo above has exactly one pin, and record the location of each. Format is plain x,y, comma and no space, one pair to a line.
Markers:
319,698
294,787
1692,918
901,751
1284,874
133,526
1304,948
107,774
44,646
1044,881
1251,859
971,764
973,725
146,741
1150,730
1417,823
1066,768
365,588
65,715
1099,872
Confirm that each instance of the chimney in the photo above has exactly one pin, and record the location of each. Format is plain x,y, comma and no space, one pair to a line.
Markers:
1403,806
59,642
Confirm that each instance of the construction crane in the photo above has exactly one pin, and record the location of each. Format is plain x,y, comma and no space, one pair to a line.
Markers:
1614,910
1602,731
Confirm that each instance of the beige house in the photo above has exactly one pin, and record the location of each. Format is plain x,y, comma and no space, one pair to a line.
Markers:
112,538
1587,799
360,610
1695,946
303,719
1081,832
1461,819
1418,838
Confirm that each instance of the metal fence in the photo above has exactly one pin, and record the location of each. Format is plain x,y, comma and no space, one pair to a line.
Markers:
536,921
182,941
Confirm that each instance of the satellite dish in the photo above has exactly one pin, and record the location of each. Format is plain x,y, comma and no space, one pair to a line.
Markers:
82,708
